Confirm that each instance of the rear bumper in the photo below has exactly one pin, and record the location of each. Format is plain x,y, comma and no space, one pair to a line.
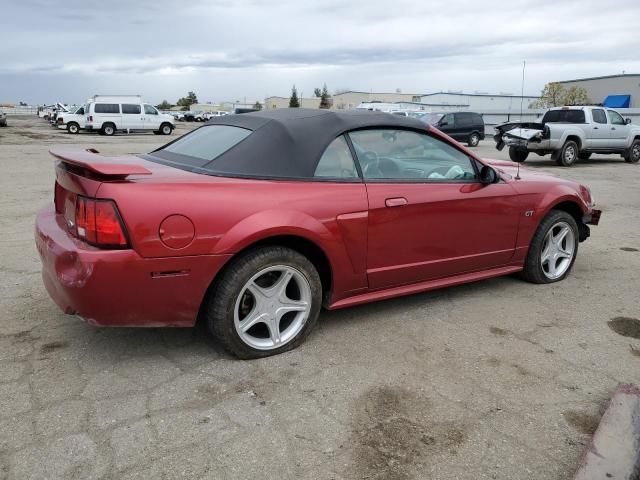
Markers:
119,287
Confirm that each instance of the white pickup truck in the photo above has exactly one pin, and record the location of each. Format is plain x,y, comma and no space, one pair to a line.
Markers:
571,133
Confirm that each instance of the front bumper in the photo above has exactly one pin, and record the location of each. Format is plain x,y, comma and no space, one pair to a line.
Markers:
119,287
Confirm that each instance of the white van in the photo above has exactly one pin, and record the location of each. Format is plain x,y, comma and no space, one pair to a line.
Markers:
72,122
108,114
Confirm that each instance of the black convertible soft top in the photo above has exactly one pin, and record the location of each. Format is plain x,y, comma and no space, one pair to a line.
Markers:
288,142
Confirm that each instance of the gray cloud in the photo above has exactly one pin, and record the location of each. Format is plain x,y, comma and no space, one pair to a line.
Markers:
253,48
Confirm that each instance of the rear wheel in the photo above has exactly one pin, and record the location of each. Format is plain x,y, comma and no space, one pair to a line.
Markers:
474,139
73,127
567,155
518,155
633,154
108,129
553,249
265,302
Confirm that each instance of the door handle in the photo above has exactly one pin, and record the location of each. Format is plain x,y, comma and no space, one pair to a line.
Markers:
613,128
595,128
395,202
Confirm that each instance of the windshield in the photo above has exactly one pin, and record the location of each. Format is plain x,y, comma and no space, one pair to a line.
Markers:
432,118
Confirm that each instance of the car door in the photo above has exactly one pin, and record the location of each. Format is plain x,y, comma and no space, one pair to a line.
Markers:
132,116
429,216
152,118
447,125
619,130
600,130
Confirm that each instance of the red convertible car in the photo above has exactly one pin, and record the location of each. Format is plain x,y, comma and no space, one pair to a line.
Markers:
251,223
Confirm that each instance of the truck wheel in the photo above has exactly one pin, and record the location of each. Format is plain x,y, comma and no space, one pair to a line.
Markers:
108,129
165,129
584,155
568,154
518,155
474,140
73,127
633,154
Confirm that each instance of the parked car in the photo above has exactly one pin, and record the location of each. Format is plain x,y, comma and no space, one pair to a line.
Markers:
110,114
570,134
465,127
178,116
218,113
3,119
72,122
165,238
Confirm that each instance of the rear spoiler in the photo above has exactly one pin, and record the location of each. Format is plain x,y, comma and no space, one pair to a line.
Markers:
102,165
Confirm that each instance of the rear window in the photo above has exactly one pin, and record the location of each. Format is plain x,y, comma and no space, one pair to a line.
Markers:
106,108
201,146
564,116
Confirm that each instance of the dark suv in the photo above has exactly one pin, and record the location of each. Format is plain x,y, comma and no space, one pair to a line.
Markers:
462,126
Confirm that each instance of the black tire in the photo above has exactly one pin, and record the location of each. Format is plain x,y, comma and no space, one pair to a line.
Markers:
108,129
166,129
73,127
568,154
518,155
632,155
474,139
584,155
220,302
533,271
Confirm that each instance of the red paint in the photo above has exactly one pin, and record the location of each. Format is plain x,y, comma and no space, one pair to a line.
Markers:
381,239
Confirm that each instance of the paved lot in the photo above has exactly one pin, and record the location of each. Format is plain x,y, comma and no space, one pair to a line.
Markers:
499,379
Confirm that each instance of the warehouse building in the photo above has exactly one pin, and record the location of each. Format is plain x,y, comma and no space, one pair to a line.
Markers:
283,102
351,99
480,101
614,91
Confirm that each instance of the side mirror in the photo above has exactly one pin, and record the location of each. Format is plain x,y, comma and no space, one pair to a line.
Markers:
488,175
627,121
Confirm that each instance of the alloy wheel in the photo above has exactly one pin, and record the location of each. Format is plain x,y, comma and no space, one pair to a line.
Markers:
558,250
635,153
569,155
272,307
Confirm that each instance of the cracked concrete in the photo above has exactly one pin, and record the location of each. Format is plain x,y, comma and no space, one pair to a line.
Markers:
499,379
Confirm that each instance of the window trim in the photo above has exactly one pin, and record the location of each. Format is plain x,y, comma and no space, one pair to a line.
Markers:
474,162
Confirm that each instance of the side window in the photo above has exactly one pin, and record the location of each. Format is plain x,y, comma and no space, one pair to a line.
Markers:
616,118
149,110
463,119
106,108
131,108
477,119
337,162
405,155
447,119
80,111
599,116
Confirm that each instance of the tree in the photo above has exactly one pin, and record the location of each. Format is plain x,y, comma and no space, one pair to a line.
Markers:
325,98
186,102
257,105
555,95
164,105
576,96
293,100
317,92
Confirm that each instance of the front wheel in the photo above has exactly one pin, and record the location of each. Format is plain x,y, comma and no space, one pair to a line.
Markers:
474,140
553,249
265,302
166,129
73,127
109,129
633,154
518,155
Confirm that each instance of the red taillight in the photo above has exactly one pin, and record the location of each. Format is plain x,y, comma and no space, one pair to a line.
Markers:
91,118
98,223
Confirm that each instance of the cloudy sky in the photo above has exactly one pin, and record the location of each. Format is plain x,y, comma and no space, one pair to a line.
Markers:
249,49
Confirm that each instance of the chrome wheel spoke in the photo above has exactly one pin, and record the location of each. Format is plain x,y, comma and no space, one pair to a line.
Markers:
558,251
274,330
253,319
